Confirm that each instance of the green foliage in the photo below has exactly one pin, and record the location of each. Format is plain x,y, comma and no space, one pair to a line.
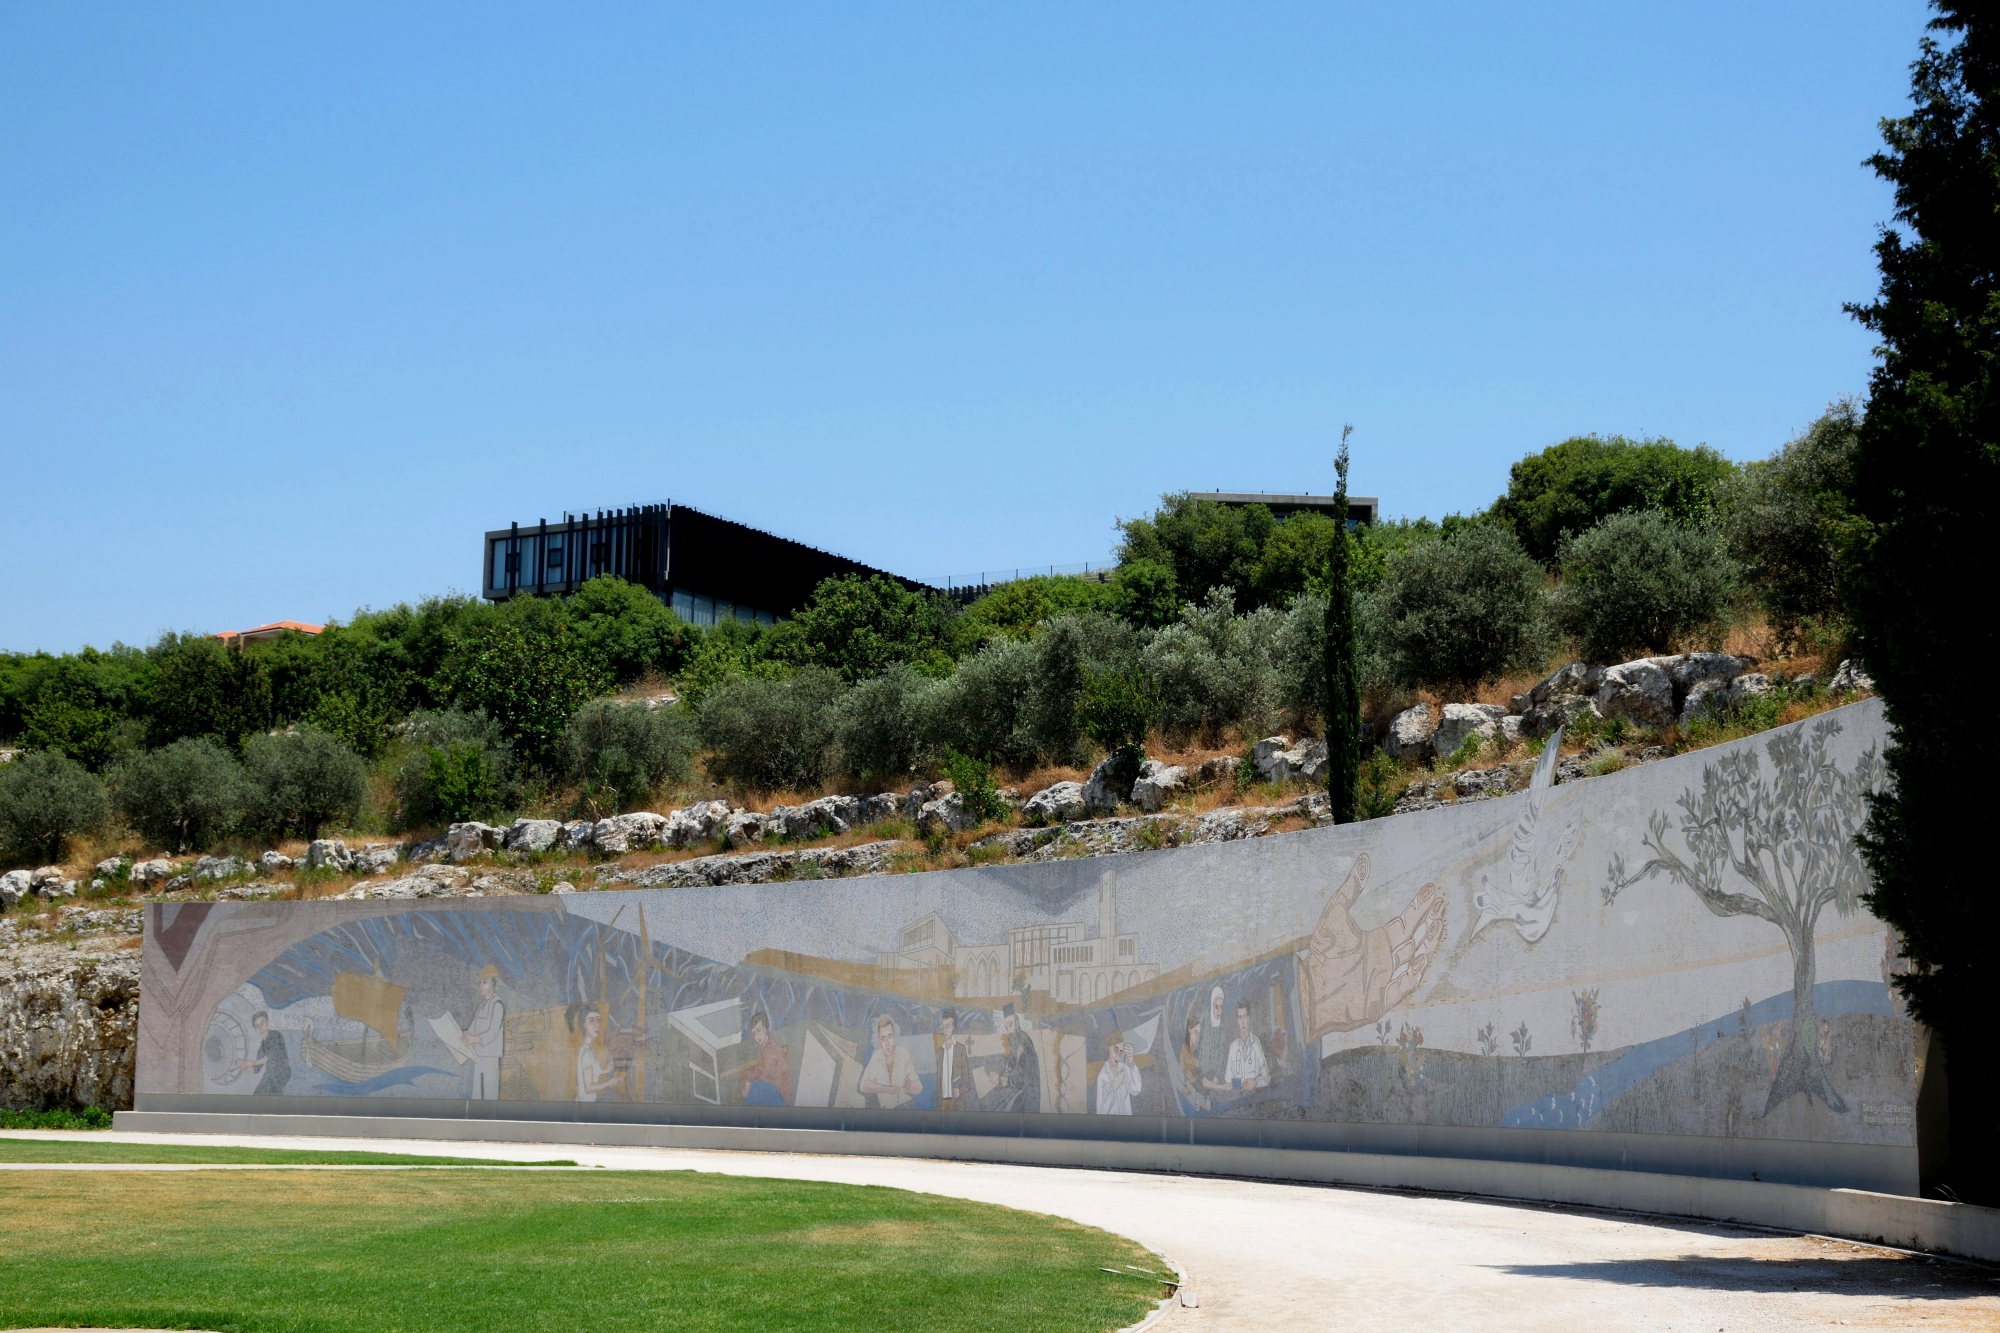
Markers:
1453,612
737,648
859,627
625,631
301,781
203,688
46,799
986,707
1378,783
882,725
1572,486
528,674
1214,669
1206,544
460,767
618,753
772,734
90,1117
1642,582
1787,521
1295,557
1927,484
1145,593
973,781
1342,699
1020,608
1118,709
183,795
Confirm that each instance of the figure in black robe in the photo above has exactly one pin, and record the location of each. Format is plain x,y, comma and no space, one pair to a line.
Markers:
1020,1085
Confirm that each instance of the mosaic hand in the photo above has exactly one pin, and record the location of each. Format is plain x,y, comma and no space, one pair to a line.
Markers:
1352,976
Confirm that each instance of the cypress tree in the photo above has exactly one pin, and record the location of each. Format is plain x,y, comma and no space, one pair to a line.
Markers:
1343,688
1926,478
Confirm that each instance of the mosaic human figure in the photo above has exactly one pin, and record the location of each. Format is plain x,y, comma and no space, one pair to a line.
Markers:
485,1038
767,1080
271,1059
954,1064
1353,976
1020,1079
1118,1079
1214,1050
891,1076
591,1079
1248,1070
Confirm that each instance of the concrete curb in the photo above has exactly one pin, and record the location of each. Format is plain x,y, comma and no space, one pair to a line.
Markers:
1887,1219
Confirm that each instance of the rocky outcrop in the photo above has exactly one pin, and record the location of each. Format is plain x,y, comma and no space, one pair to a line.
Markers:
68,1024
1409,732
868,858
1276,759
472,838
1849,678
1056,804
1157,784
1461,721
1107,789
532,835
1650,692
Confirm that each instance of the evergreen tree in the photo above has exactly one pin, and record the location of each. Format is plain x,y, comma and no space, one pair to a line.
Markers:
1343,686
1926,476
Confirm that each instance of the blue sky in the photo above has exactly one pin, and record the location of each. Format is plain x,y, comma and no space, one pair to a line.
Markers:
296,301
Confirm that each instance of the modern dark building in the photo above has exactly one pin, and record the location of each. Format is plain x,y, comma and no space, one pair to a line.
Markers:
1360,508
707,568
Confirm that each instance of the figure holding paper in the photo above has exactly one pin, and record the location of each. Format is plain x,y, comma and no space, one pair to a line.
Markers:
485,1037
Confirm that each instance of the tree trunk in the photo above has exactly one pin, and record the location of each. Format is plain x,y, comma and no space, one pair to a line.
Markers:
1800,1067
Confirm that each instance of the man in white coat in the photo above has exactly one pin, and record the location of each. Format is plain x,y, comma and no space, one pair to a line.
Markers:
486,1035
1118,1079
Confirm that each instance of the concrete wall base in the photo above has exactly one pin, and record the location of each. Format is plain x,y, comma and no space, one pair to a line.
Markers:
1887,1219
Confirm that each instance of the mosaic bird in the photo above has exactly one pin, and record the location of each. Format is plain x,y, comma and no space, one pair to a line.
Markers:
1536,861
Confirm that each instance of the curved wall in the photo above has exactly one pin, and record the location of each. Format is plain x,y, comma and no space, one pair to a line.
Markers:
1661,970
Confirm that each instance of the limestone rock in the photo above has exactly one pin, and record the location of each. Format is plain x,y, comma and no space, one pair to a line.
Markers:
745,828
1513,730
828,814
374,859
577,835
1572,678
562,886
922,794
68,1029
1057,804
638,831
948,812
1690,669
1157,784
1264,758
532,835
272,862
1463,720
111,865
327,854
427,853
1639,692
1562,710
1410,732
1105,790
218,867
699,823
1849,678
1219,769
14,886
472,838
155,871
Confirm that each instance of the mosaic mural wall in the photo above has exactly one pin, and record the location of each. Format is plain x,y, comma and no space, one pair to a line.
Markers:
1675,949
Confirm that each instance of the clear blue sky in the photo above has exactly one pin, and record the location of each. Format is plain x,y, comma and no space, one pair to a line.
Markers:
296,301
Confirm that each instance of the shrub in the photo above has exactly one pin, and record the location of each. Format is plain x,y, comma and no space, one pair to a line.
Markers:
46,799
973,781
203,688
769,733
624,631
1145,593
1641,582
1573,486
528,674
1451,613
880,726
90,1117
460,768
618,753
984,708
1020,607
1203,544
1214,669
1787,519
302,780
859,626
1063,657
1118,710
183,795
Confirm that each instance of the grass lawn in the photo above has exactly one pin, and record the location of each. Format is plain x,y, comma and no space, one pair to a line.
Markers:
568,1251
84,1150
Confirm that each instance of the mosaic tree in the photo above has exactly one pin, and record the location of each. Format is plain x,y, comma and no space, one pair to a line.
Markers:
1781,850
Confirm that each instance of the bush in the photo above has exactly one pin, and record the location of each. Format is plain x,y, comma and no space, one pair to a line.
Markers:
183,795
1020,607
772,734
618,753
973,781
300,781
1451,613
860,627
984,709
1569,488
881,726
1787,520
1203,544
1214,669
1640,583
90,1117
1145,593
528,674
1118,710
624,631
460,768
46,799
